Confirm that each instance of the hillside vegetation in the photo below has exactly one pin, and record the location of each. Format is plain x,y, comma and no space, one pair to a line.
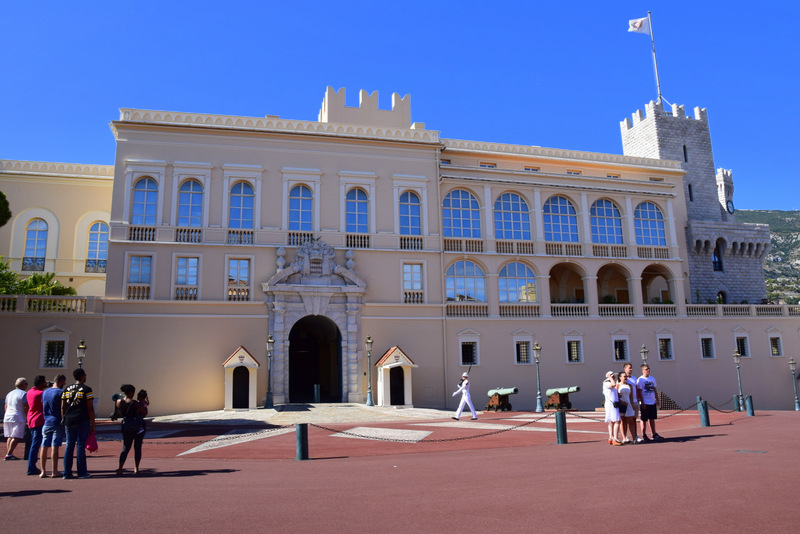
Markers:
782,264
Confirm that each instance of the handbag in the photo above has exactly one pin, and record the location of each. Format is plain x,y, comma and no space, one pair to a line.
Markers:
623,407
91,443
617,404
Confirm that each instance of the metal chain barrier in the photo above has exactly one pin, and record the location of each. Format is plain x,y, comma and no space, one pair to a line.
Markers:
722,411
398,440
195,442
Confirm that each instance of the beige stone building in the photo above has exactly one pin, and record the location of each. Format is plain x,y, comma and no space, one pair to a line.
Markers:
211,233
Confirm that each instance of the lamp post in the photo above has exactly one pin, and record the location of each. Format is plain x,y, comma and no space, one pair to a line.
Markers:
643,351
738,359
793,367
81,351
368,346
537,353
270,347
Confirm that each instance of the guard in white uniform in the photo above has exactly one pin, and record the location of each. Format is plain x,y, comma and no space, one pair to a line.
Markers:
465,397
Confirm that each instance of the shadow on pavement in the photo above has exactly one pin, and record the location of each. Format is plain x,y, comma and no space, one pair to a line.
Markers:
29,493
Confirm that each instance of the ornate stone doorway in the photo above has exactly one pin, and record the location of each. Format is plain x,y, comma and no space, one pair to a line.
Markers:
315,359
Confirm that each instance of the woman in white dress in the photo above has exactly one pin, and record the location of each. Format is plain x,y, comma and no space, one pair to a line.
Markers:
612,412
626,411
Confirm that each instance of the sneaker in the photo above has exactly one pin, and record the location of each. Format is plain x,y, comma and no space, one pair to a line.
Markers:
456,418
474,418
639,440
87,475
67,477
10,457
656,436
646,438
626,442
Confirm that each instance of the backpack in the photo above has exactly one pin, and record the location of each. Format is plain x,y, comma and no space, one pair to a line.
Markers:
132,423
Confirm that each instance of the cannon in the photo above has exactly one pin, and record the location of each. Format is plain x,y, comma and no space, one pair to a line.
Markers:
498,399
558,398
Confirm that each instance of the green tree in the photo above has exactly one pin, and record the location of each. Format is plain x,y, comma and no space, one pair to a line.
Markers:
5,210
35,284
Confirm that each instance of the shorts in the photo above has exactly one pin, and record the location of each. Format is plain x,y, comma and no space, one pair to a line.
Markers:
649,412
53,436
14,430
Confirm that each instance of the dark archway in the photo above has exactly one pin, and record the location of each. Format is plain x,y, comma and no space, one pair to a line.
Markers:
397,386
315,357
241,387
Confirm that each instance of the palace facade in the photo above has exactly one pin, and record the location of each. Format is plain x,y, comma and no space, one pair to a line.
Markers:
211,234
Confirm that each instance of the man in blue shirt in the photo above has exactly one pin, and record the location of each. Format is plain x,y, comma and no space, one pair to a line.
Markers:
53,432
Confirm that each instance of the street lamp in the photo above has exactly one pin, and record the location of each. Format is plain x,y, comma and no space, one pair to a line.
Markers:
643,351
368,345
537,353
270,347
793,367
81,350
738,359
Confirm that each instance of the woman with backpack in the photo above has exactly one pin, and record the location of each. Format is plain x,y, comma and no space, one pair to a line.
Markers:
132,412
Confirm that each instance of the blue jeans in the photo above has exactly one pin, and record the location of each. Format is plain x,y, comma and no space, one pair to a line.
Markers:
33,452
76,437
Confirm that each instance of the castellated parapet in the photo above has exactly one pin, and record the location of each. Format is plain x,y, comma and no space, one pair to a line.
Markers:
367,113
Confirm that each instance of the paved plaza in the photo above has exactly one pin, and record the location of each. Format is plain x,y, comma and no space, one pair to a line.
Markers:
416,470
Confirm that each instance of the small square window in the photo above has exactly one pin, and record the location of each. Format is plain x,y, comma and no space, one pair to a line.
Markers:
54,354
573,172
707,347
775,348
469,353
487,165
444,161
612,175
523,352
620,350
665,349
532,169
574,352
741,346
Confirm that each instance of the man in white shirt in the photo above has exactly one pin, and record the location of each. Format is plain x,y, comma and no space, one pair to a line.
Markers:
648,397
463,388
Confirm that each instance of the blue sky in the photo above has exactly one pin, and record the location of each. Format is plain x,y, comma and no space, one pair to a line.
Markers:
524,72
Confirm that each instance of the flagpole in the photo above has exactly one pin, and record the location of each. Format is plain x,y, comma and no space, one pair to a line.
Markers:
655,63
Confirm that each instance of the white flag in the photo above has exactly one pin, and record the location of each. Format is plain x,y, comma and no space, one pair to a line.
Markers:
639,25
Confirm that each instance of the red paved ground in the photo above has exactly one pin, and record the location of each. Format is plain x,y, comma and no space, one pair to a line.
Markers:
739,475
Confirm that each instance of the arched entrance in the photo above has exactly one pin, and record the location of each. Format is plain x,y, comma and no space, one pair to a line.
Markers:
241,387
315,357
397,386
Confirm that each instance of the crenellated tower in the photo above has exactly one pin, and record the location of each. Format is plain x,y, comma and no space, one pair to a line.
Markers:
725,257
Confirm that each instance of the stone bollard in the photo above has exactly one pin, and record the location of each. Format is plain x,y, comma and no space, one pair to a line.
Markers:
748,402
561,427
301,435
702,409
737,404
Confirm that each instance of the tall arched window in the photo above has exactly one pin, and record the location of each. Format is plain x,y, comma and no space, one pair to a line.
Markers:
190,204
301,205
649,225
241,209
356,211
606,222
511,217
35,245
560,220
461,215
97,249
716,258
464,282
517,283
145,202
410,219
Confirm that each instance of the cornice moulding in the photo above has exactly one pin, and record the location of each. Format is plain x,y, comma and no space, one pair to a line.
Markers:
45,168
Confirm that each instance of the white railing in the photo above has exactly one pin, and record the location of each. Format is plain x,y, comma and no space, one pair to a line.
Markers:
463,309
661,310
519,309
141,233
616,310
569,310
42,304
413,297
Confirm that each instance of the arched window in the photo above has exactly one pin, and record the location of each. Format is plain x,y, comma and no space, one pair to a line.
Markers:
356,212
465,282
301,206
190,204
511,217
716,259
241,209
606,223
649,225
560,221
35,245
97,250
517,283
410,220
145,202
461,215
